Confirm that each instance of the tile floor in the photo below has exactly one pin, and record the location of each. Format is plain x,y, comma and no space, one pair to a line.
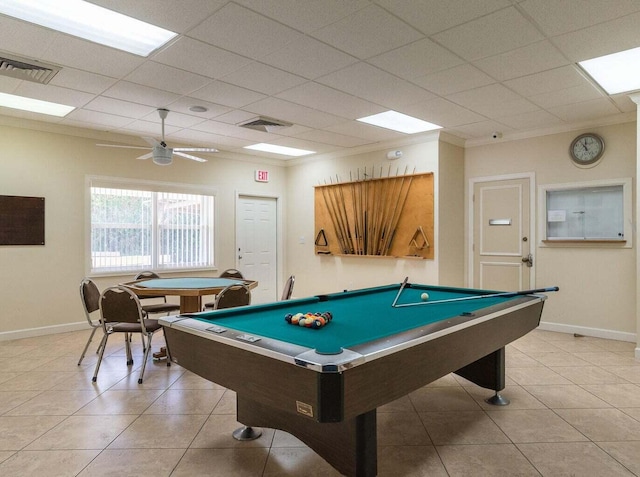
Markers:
575,410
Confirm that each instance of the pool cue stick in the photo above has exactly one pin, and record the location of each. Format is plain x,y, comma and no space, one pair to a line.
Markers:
355,214
339,231
333,221
402,285
389,183
350,222
477,297
341,215
384,233
385,245
404,201
343,210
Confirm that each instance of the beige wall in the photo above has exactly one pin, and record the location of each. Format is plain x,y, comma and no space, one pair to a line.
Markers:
597,284
39,284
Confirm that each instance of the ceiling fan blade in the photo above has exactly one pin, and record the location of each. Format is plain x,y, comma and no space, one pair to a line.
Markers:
148,155
150,140
124,147
196,149
189,156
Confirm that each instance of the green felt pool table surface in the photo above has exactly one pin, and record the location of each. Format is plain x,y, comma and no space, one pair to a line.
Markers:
359,316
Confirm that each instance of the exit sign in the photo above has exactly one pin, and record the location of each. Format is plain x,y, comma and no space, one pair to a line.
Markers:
262,176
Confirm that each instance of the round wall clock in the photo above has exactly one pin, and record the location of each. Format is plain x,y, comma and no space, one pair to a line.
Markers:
586,149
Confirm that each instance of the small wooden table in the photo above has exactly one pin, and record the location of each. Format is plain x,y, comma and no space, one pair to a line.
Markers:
189,289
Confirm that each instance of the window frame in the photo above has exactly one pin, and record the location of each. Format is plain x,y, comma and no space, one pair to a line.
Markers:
148,186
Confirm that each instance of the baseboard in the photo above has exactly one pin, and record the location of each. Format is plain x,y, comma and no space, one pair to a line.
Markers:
585,331
45,330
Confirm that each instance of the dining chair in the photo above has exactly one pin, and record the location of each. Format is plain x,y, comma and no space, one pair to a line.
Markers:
90,297
288,288
232,296
153,308
228,273
121,312
231,273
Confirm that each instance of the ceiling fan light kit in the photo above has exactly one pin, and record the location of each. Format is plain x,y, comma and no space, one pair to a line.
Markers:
161,153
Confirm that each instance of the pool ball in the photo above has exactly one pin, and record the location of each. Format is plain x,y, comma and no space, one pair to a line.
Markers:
424,296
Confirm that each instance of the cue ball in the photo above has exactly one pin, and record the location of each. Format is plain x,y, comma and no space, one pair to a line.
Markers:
424,296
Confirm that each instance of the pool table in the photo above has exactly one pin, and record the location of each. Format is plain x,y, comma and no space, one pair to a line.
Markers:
324,385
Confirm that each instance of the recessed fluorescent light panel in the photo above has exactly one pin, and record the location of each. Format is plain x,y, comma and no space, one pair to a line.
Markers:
615,73
399,122
34,105
91,22
286,151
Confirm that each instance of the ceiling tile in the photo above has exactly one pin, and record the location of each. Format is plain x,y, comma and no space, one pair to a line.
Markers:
227,94
373,84
119,107
25,39
305,15
149,128
206,139
575,94
365,131
433,16
483,129
54,94
454,80
193,55
309,58
108,121
335,139
81,80
140,94
493,101
443,113
175,118
531,120
416,59
224,129
183,104
556,18
86,56
547,81
175,16
490,35
293,113
523,61
586,110
263,78
167,78
368,32
323,98
227,29
603,39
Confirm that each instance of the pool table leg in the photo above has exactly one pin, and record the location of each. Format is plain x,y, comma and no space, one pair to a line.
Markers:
488,372
350,446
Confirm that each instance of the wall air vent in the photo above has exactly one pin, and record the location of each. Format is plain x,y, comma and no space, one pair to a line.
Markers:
26,69
265,124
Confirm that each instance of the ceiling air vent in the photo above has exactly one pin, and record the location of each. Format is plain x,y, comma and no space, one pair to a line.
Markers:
26,69
265,124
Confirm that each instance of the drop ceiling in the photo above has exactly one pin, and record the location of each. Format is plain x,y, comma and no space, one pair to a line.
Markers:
472,67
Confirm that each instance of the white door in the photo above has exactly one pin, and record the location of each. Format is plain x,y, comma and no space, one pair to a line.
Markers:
256,245
501,235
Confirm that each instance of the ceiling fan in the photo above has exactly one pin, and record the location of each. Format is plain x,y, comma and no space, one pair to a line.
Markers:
160,152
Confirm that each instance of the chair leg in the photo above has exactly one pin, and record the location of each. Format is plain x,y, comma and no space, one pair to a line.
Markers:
168,355
146,356
127,347
103,345
84,351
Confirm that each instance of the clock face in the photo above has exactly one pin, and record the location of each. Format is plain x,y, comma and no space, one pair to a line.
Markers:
586,149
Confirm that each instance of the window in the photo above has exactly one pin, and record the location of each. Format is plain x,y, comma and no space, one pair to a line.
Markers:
143,227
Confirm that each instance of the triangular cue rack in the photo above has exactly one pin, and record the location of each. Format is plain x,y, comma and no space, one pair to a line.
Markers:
384,216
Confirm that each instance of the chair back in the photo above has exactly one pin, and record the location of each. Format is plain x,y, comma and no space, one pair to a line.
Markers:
231,273
90,296
232,296
288,287
120,305
146,274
